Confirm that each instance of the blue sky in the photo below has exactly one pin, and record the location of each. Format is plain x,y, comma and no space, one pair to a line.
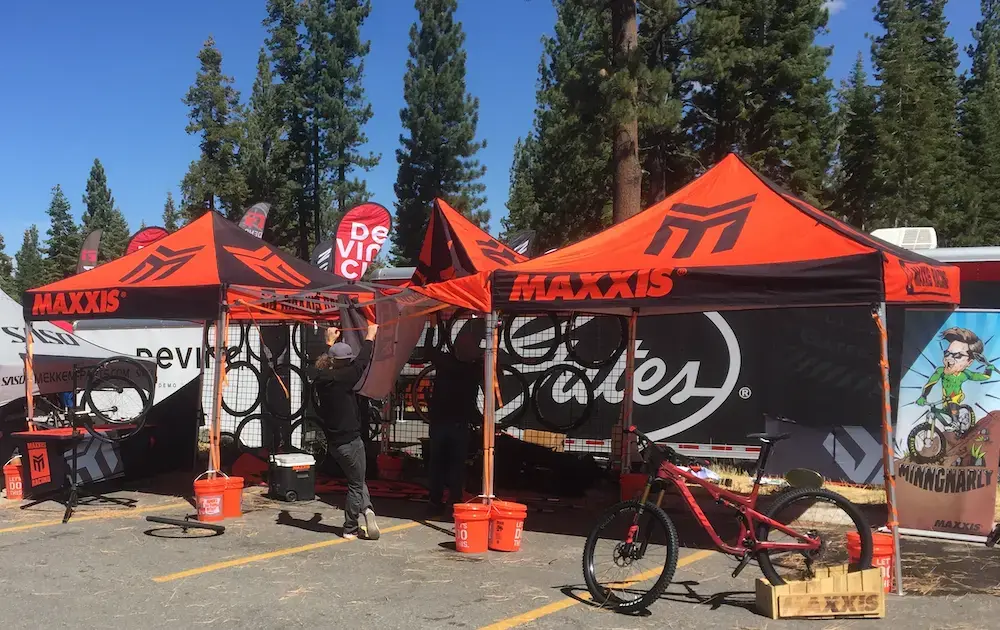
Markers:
105,79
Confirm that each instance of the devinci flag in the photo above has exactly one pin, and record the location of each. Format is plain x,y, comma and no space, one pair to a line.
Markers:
89,251
254,218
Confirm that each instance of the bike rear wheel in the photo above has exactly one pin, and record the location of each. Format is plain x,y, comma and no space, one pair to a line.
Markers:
638,572
817,513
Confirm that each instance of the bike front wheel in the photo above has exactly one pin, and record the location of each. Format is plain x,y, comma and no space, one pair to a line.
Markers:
628,573
814,513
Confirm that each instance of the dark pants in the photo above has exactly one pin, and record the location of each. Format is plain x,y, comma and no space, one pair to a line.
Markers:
449,446
351,459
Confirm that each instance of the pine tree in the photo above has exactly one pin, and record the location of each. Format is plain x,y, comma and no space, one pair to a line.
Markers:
63,245
762,90
213,182
438,148
171,217
338,107
667,158
98,201
919,160
116,236
31,272
566,161
855,179
102,214
624,88
980,130
294,213
7,284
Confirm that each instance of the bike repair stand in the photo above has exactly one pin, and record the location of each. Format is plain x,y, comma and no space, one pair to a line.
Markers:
74,491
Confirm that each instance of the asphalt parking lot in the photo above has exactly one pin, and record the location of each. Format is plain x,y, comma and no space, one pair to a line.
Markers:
285,565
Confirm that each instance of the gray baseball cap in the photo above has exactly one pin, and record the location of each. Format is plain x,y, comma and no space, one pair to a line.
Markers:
341,350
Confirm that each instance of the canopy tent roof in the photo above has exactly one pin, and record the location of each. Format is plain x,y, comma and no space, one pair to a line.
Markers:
55,353
454,247
728,240
189,273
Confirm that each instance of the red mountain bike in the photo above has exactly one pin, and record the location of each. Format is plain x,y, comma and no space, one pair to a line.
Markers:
802,527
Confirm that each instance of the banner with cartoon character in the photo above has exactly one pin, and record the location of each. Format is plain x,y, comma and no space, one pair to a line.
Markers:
947,449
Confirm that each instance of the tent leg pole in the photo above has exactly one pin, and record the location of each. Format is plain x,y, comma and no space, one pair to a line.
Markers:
888,446
221,332
489,404
29,374
625,418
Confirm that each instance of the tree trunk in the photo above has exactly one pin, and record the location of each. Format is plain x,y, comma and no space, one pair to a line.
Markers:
317,219
627,170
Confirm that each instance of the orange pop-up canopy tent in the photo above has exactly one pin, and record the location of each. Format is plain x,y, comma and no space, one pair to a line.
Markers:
728,240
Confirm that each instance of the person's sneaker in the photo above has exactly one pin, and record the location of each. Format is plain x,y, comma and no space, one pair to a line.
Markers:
350,535
371,527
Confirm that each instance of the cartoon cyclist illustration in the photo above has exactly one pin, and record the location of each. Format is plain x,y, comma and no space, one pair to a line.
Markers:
964,348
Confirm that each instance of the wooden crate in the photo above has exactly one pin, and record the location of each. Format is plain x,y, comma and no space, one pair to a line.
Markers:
834,592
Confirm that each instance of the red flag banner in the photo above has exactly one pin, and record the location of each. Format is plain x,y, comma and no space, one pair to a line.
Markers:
88,253
144,238
254,218
360,236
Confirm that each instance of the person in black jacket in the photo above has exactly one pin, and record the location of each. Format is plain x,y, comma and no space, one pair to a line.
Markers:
451,410
339,370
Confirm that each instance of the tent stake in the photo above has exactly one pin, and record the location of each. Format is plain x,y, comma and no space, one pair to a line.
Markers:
888,456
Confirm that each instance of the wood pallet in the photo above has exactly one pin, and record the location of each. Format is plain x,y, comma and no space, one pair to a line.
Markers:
835,592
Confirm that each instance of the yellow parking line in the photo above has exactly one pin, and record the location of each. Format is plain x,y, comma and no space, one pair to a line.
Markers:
96,517
554,607
269,555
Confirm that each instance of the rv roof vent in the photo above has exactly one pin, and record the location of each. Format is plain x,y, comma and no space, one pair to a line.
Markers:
909,237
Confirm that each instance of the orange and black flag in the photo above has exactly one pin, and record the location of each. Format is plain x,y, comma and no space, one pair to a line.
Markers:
731,239
454,247
184,275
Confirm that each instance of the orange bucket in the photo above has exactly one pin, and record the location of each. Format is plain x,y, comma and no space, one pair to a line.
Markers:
390,467
12,479
209,495
631,485
882,554
472,527
232,500
506,525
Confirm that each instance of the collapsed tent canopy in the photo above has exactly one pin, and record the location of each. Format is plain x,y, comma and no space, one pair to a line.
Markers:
189,274
728,240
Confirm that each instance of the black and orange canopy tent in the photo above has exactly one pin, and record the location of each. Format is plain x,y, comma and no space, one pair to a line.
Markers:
728,240
454,247
190,274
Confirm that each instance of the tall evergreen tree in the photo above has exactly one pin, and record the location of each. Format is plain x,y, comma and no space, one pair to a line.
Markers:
171,217
762,89
919,162
97,200
63,246
855,181
339,109
100,213
7,284
625,64
31,270
213,181
294,220
116,236
566,161
980,131
438,148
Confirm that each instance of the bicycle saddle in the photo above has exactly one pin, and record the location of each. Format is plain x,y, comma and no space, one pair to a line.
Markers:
769,438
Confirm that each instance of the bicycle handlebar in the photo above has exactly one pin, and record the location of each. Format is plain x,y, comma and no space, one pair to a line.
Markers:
665,451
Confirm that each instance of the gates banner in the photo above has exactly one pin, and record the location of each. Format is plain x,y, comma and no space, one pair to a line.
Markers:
360,236
947,447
